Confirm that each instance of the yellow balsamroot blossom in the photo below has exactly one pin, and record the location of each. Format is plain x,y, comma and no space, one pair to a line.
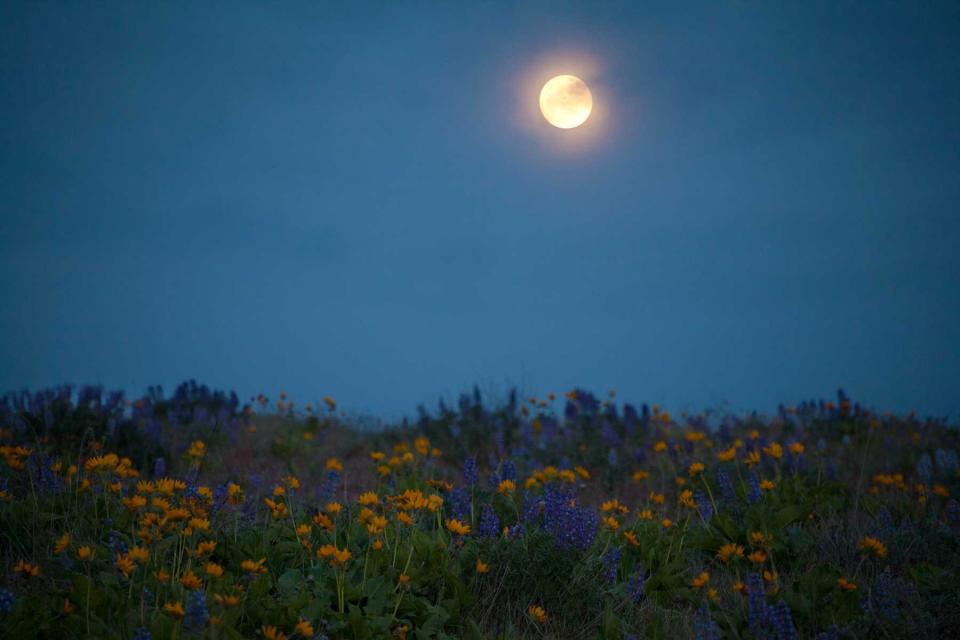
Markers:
304,628
582,472
272,633
85,553
645,514
611,523
368,499
872,546
191,581
173,609
125,565
537,613
660,447
62,543
457,527
27,569
640,475
506,487
197,449
759,539
333,508
482,567
696,468
752,458
700,580
796,448
729,552
757,557
727,454
234,493
139,554
254,566
292,482
631,537
323,521
226,600
376,525
775,451
404,517
666,523
333,555
334,465
404,579
766,485
846,585
162,576
686,499
657,498
206,547
213,569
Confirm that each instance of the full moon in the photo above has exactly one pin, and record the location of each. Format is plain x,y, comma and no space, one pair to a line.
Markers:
566,102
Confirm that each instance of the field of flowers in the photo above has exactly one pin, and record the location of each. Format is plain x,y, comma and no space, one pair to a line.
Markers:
571,516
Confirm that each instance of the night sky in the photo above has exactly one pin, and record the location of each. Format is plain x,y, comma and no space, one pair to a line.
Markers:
363,201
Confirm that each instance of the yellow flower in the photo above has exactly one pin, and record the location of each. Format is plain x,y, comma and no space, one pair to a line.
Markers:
727,454
713,595
686,499
404,579
695,468
226,600
752,458
272,633
234,493
614,505
506,486
292,482
62,544
482,567
304,628
205,547
173,609
125,565
27,569
766,485
213,569
631,538
873,546
197,449
645,514
640,475
404,517
333,508
774,451
161,576
759,538
846,585
139,554
85,553
796,448
757,557
377,456
376,525
323,521
582,472
537,613
666,523
700,580
334,465
611,523
657,498
660,447
191,581
458,528
251,566
730,551
368,499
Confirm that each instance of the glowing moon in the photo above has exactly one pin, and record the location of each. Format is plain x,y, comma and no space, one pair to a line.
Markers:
566,102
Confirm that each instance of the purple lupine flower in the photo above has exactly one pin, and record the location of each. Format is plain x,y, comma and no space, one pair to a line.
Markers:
470,476
758,614
459,502
197,615
635,586
782,621
530,507
925,468
611,563
7,600
704,626
704,506
141,633
159,468
726,486
753,489
489,522
508,471
329,487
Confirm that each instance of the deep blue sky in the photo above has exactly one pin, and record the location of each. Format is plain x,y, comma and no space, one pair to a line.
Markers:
355,200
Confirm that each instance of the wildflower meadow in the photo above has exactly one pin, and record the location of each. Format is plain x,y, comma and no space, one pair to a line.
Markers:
196,515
